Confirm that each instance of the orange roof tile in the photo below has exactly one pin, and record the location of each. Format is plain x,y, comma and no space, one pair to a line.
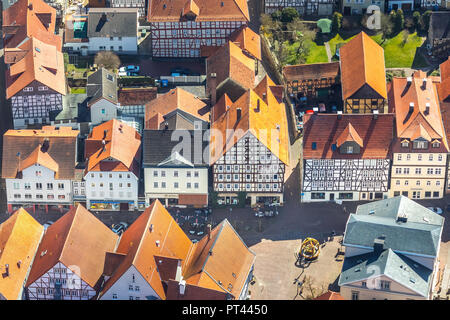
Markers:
248,40
191,8
31,18
20,235
303,72
362,63
330,295
79,239
208,10
176,99
444,85
139,244
417,123
323,130
42,63
39,157
349,134
220,107
122,143
221,262
261,114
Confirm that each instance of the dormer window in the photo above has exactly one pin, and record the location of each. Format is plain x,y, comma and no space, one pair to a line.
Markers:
436,144
405,144
420,144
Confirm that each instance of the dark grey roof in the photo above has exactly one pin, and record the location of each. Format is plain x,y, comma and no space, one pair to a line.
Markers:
102,84
439,25
112,22
74,107
397,267
420,234
159,149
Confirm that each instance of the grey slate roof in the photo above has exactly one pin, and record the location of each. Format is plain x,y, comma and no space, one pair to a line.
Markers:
159,147
398,267
74,108
420,234
439,25
102,84
112,22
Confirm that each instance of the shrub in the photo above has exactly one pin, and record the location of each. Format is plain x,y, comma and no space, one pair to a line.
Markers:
289,14
336,21
108,60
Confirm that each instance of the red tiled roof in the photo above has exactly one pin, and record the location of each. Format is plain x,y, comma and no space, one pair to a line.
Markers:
205,10
324,130
330,295
311,71
79,239
362,63
136,96
349,134
248,40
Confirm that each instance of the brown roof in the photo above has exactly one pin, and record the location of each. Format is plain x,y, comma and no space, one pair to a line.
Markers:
193,292
349,134
140,246
220,107
302,72
122,143
362,63
205,10
79,239
176,99
229,62
418,123
20,235
325,129
330,295
42,63
193,199
248,40
53,148
444,85
220,262
260,116
26,19
136,96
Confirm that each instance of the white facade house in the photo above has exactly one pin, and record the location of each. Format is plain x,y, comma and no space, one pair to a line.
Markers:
39,167
175,177
112,172
101,90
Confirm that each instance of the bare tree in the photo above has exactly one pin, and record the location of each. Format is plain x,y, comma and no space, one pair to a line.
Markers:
108,60
312,291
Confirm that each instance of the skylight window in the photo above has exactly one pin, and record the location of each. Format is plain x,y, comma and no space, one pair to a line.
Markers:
314,145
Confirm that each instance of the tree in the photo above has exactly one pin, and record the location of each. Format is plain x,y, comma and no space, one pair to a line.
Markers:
399,20
108,60
417,20
296,28
426,16
242,196
405,35
387,26
276,15
336,22
289,14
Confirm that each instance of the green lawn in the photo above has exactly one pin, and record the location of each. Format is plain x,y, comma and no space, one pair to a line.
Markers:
77,90
335,41
316,53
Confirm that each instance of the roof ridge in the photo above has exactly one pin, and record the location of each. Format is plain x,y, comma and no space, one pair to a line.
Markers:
75,216
212,246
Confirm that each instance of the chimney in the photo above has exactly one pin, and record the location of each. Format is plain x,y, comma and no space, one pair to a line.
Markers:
157,243
209,231
264,96
339,114
402,217
378,245
316,110
411,107
427,108
151,228
375,114
408,80
7,270
104,133
424,83
19,263
238,114
182,286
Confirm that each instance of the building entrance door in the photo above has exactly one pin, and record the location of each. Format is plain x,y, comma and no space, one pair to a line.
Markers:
331,196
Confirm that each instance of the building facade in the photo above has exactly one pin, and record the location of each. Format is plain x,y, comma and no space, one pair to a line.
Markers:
420,147
304,7
350,162
356,7
201,23
139,4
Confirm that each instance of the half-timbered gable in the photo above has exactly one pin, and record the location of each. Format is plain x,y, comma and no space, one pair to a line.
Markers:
70,258
20,235
304,7
346,157
363,76
420,147
180,28
249,146
36,83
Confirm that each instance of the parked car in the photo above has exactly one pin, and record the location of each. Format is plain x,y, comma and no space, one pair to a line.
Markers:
436,210
119,228
131,68
47,224
122,73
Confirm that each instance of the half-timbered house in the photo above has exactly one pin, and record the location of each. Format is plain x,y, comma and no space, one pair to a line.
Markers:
304,7
420,146
139,4
363,76
308,79
180,28
155,260
346,157
20,235
38,167
70,258
249,146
